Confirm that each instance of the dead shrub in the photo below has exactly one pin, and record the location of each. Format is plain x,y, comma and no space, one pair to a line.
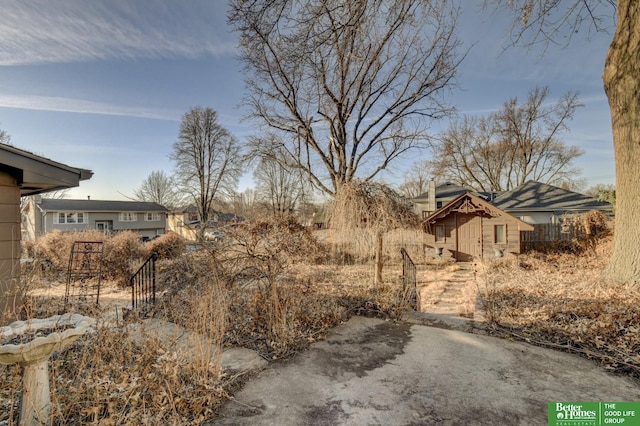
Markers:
168,246
305,315
122,252
560,300
52,250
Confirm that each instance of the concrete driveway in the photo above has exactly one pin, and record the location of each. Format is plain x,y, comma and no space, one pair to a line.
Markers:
372,372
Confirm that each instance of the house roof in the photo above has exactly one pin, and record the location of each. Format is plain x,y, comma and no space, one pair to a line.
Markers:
536,196
444,190
99,206
470,203
35,174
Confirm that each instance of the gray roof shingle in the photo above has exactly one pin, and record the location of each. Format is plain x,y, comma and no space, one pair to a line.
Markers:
445,190
99,206
536,196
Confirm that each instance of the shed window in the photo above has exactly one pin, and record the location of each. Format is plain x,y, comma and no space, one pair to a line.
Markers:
439,233
500,234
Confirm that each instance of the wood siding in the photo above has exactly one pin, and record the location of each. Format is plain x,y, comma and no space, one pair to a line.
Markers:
512,244
10,245
454,248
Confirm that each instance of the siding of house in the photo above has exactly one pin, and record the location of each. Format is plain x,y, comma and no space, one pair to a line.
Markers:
141,226
533,217
9,242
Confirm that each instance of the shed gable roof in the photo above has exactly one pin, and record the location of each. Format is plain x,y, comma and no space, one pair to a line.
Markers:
470,203
536,196
99,206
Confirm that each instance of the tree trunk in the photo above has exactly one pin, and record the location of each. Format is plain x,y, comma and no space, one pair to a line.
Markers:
379,262
622,85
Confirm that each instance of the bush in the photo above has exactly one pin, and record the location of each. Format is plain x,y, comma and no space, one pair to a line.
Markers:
122,252
168,246
53,249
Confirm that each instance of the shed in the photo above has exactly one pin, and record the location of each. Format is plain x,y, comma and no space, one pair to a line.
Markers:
470,226
21,174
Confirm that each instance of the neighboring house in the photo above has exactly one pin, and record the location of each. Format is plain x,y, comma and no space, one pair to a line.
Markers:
437,197
22,174
540,203
43,215
549,209
471,226
186,223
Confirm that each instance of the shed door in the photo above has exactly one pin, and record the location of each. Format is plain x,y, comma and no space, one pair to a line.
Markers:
469,237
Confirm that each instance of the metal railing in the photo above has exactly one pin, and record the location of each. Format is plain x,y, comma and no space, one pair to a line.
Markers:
409,280
143,284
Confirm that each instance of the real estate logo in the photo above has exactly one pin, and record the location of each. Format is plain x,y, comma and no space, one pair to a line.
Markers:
593,413
581,413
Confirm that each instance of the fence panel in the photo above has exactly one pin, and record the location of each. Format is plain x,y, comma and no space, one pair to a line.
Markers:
409,280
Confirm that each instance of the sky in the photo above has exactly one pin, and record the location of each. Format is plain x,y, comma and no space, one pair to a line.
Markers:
102,84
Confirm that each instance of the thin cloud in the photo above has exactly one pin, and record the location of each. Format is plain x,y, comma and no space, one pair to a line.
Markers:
42,31
60,104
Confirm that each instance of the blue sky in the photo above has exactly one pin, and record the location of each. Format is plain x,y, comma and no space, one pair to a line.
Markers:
102,85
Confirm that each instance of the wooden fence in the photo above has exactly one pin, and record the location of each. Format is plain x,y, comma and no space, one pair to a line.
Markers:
544,234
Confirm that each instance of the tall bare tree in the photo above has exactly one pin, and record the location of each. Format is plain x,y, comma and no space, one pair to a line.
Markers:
281,187
543,21
505,149
246,204
207,159
352,85
159,188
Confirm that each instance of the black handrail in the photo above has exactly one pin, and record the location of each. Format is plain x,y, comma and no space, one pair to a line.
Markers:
143,283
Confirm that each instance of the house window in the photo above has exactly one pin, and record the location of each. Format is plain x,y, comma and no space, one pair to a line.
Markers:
438,204
500,234
152,216
128,217
70,218
439,233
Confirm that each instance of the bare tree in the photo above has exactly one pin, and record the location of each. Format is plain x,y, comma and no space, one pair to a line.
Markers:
518,143
417,180
543,21
246,204
281,187
4,137
352,85
159,188
207,161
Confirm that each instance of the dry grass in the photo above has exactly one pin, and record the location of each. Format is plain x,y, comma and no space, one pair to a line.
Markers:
562,301
272,287
269,286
